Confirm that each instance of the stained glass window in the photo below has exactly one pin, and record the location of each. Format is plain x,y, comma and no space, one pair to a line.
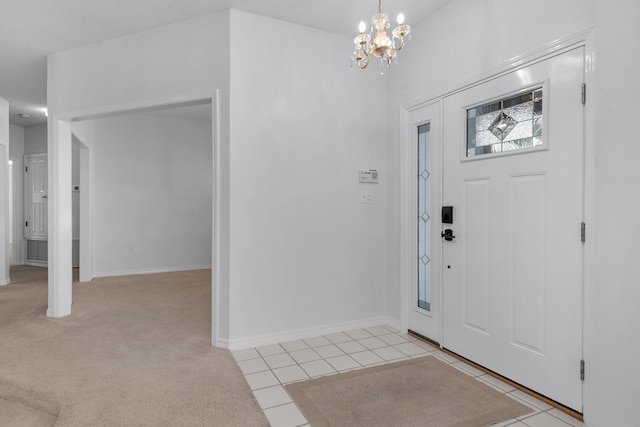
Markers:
424,219
510,124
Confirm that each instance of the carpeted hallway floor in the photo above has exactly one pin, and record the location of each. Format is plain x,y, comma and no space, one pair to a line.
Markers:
135,352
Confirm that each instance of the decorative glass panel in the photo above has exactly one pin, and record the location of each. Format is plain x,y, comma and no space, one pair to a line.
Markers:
424,219
511,124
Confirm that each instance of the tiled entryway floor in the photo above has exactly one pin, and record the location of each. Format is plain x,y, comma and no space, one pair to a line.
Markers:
267,369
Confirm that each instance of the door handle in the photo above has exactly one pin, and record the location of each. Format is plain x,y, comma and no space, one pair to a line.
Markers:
447,235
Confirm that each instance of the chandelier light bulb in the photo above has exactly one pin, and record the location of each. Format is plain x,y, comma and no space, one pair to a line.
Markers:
362,27
400,18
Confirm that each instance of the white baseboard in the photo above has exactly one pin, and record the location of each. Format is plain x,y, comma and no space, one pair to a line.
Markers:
36,263
150,271
5,282
297,334
54,315
394,323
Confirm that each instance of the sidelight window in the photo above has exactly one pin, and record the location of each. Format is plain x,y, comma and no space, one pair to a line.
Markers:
424,219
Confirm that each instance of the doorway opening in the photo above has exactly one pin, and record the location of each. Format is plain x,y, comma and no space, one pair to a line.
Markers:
132,256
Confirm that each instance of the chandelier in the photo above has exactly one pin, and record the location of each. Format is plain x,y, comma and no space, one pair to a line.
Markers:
378,43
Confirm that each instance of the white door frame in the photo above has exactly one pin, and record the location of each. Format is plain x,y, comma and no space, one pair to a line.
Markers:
585,39
4,192
19,249
60,209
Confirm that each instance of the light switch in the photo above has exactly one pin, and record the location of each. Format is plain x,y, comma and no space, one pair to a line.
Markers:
366,197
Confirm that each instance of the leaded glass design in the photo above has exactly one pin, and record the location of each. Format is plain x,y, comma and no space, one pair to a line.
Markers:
424,219
509,124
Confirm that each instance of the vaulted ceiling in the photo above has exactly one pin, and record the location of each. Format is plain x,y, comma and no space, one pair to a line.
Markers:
32,29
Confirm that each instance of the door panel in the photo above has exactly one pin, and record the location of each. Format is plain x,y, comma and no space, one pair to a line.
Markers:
527,273
512,285
476,253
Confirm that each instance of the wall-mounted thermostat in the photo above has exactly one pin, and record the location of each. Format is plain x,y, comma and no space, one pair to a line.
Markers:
369,177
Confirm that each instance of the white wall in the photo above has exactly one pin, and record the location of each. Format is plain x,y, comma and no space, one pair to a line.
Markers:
306,255
461,40
151,190
615,325
35,139
16,141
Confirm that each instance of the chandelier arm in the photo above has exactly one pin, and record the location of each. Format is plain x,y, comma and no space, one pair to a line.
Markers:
379,6
360,62
401,44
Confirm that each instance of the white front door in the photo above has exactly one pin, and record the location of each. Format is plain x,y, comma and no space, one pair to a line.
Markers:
512,276
36,196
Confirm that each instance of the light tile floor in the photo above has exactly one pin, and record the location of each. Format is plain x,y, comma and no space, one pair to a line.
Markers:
267,369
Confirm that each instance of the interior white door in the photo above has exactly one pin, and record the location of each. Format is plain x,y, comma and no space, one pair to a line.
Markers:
36,196
422,272
513,273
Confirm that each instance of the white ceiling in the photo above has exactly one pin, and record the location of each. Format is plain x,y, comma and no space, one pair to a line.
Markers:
32,29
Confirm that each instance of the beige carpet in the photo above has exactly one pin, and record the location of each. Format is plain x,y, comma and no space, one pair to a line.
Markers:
135,352
419,392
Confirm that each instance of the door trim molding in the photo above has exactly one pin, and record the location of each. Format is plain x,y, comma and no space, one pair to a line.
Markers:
553,48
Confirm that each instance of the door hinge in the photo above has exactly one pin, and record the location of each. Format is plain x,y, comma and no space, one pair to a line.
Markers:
26,168
584,93
26,223
582,370
583,232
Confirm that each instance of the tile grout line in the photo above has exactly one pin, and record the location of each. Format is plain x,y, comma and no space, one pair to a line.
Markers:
423,353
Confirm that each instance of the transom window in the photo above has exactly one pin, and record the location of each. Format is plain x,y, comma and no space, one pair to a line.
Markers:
509,124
